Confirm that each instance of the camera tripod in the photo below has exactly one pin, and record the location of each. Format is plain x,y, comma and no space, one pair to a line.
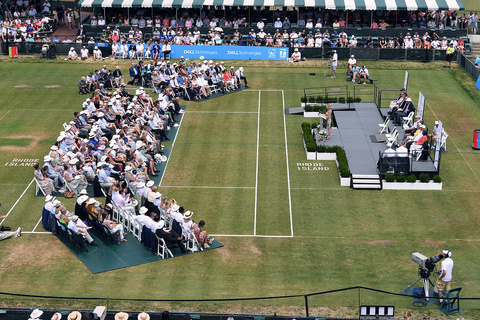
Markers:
425,277
328,70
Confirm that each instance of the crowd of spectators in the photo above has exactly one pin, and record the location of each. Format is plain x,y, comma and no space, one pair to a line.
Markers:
113,143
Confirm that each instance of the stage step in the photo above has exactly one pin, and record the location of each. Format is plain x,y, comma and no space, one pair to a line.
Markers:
366,181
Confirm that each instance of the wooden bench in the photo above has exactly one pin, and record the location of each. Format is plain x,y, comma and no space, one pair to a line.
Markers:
371,80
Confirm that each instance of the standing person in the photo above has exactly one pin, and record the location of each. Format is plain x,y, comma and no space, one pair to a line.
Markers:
60,14
328,117
450,52
334,60
445,277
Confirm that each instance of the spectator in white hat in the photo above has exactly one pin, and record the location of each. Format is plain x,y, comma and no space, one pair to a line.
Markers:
72,55
296,55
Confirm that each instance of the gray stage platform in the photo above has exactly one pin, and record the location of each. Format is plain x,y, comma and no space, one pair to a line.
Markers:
354,130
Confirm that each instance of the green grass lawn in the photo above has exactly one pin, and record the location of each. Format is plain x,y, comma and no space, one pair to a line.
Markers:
229,166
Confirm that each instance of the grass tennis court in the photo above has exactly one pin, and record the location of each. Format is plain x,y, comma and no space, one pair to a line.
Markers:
235,163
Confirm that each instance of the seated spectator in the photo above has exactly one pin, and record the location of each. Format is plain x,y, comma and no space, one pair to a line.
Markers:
97,54
202,237
114,227
80,228
72,55
351,62
352,42
296,55
171,237
363,74
383,24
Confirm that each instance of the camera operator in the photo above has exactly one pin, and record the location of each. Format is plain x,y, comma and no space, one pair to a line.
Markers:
334,60
445,277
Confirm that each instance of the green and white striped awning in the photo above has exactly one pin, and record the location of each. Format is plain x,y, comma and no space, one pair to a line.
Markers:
401,5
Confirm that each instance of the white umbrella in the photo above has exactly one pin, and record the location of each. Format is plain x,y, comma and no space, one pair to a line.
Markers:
218,29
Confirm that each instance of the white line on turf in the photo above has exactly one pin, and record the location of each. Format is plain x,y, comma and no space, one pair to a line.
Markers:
5,114
37,224
256,166
456,147
207,187
17,201
173,144
205,111
249,236
288,167
36,232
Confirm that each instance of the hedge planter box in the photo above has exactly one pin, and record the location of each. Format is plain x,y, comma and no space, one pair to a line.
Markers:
310,155
345,182
311,115
412,186
326,156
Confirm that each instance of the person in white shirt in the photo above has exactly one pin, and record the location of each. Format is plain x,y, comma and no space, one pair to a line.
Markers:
445,277
352,42
334,60
278,23
101,21
352,61
72,55
97,54
84,53
115,49
260,24
296,55
363,73
240,76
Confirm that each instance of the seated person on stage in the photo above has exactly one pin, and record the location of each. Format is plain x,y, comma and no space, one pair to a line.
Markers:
419,144
403,111
416,125
398,102
78,227
296,55
170,236
363,74
409,140
114,227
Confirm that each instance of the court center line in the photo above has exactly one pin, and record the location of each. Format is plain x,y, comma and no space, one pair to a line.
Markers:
207,187
288,166
249,236
456,147
256,166
37,224
5,114
9,211
173,145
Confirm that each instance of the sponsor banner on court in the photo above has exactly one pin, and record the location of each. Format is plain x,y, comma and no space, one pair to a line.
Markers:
421,105
229,53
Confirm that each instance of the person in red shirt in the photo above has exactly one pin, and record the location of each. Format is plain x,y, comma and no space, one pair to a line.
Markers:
461,45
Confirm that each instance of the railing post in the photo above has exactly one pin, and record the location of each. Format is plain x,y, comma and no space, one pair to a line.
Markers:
307,314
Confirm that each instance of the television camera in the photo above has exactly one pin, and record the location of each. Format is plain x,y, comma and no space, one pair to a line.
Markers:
426,266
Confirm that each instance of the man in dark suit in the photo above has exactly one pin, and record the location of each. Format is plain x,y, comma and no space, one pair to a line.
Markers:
134,73
81,33
170,237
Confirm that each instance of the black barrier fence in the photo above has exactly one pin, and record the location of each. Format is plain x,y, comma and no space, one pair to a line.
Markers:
61,48
356,295
422,55
468,65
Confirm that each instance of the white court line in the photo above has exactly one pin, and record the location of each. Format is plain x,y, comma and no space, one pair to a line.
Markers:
5,114
451,139
17,201
37,224
254,112
256,167
37,232
288,166
207,187
173,145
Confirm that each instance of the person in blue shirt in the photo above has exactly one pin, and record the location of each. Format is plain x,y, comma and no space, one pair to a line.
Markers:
104,178
477,62
355,70
56,39
51,173
156,51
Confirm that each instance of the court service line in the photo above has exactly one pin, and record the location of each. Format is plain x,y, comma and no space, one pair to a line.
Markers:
456,147
288,166
173,145
5,114
256,166
206,111
37,224
207,187
6,216
249,236
36,232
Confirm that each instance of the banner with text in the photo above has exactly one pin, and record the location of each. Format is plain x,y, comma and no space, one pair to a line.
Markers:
421,105
229,53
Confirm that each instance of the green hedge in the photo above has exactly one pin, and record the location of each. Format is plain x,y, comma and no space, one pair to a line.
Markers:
312,147
322,109
327,99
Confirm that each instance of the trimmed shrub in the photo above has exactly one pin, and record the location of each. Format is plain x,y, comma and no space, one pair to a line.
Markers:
321,149
314,125
320,99
424,177
437,178
350,99
358,99
312,99
389,177
401,178
341,100
303,99
411,178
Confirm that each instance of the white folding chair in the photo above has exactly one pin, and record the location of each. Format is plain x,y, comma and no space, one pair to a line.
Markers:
135,228
443,143
391,134
39,187
409,119
191,244
162,249
384,126
67,184
391,140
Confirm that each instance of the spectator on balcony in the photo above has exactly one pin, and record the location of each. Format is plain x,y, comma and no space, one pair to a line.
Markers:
286,23
352,42
369,42
374,25
383,43
383,24
309,24
408,42
318,24
278,23
461,45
